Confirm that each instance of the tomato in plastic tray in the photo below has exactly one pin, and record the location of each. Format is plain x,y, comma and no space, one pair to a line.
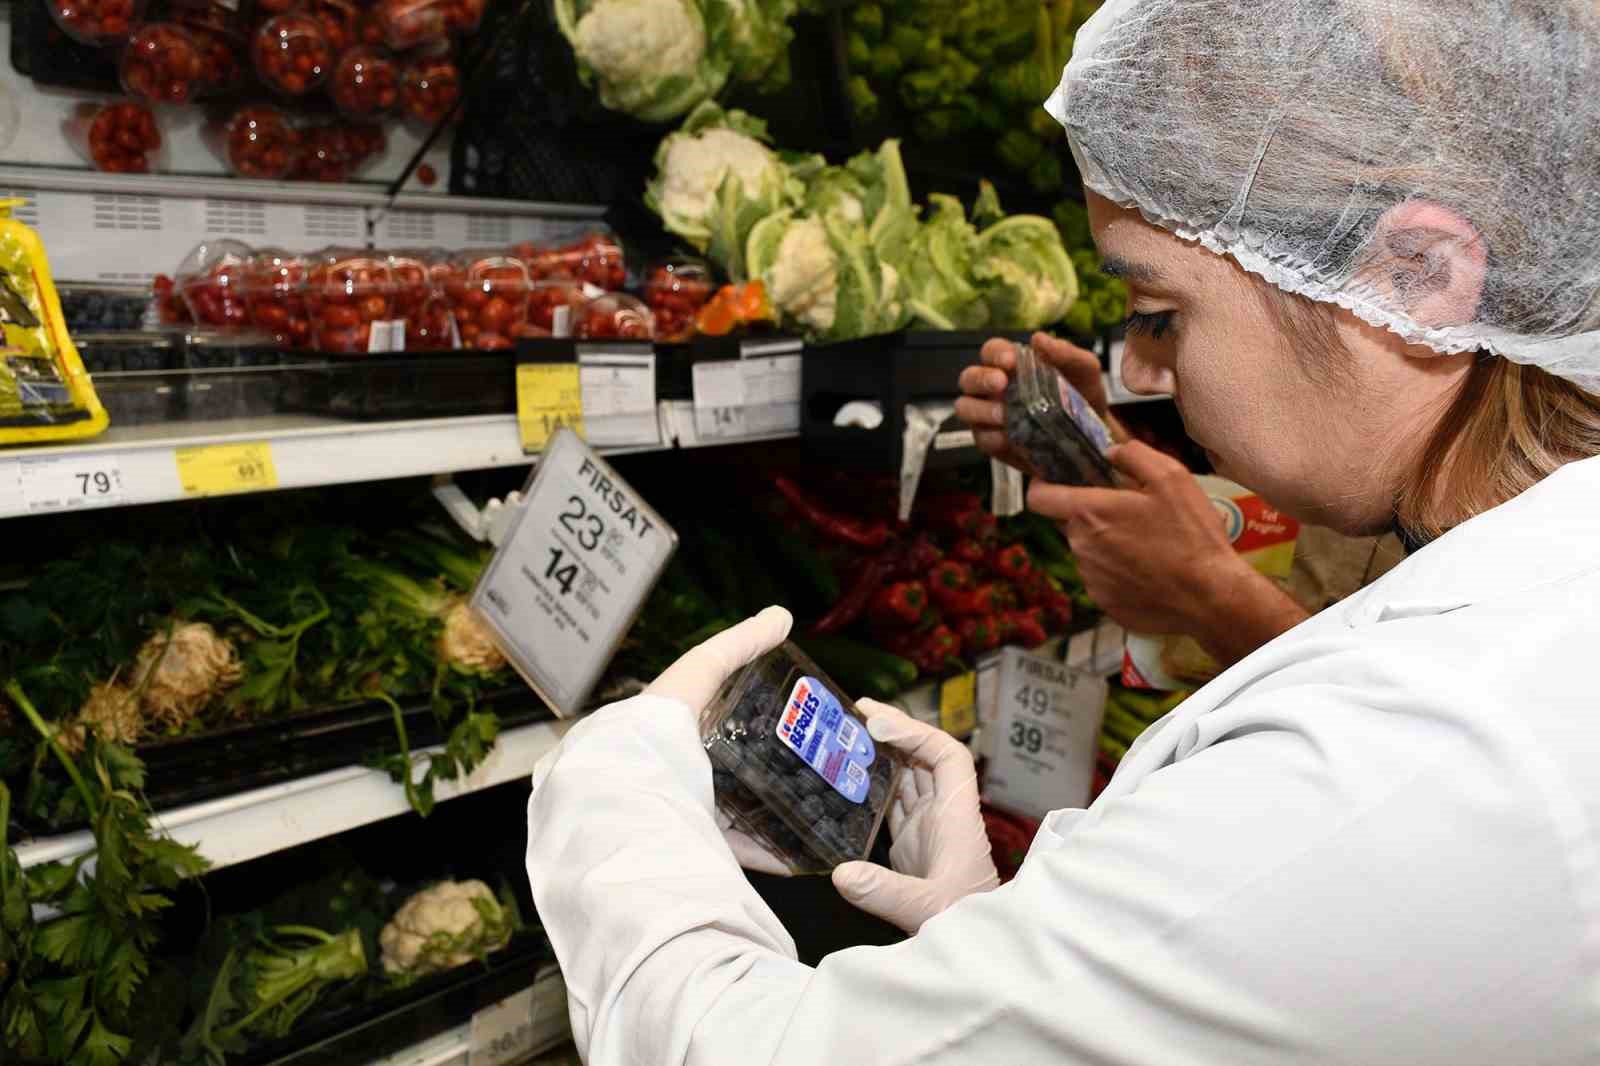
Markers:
97,21
274,296
122,137
614,316
291,53
676,289
545,299
596,259
430,89
219,36
259,142
211,282
346,292
409,23
336,151
162,64
340,22
813,818
366,82
170,309
430,325
488,291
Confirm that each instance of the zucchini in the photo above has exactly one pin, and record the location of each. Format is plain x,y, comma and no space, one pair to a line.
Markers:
868,671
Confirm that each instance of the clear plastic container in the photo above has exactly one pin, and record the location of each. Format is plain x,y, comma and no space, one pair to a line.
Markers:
276,7
337,151
97,22
211,282
614,316
274,296
408,24
350,297
219,35
429,89
430,324
340,21
488,292
291,53
366,82
102,308
232,375
138,376
596,259
1052,425
545,315
162,64
815,810
260,142
119,137
676,289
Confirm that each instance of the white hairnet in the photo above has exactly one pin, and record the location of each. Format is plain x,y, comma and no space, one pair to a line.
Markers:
1279,132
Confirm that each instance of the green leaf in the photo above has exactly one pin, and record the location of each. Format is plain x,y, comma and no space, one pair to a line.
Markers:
101,1048
66,940
122,970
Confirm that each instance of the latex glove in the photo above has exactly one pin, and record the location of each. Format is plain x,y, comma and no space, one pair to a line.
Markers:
695,678
982,405
941,850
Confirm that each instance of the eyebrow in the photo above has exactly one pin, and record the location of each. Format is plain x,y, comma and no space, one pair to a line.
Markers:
1118,267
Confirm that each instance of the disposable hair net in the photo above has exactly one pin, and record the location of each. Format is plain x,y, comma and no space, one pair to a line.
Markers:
1280,132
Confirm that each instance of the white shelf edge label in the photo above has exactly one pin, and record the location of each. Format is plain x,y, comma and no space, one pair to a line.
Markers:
572,572
1041,741
69,483
520,1025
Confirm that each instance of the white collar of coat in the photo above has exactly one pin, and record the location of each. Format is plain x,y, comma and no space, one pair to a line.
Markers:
1550,532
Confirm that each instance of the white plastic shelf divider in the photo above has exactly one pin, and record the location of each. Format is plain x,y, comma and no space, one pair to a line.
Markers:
247,825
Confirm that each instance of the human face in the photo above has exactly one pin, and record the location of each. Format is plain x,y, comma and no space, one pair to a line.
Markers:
1330,448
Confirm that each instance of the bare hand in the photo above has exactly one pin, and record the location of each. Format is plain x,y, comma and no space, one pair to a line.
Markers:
982,406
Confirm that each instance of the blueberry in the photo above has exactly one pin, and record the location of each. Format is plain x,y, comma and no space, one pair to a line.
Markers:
723,780
812,809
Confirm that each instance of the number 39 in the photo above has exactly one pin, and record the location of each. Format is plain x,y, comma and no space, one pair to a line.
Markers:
583,524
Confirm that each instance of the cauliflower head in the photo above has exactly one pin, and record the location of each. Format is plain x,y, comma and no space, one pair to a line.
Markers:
442,927
695,167
178,673
804,280
649,56
465,642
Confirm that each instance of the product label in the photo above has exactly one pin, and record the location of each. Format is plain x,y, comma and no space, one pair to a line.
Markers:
1083,416
1042,739
815,727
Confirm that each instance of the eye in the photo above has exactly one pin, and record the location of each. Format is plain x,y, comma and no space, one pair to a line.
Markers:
1155,326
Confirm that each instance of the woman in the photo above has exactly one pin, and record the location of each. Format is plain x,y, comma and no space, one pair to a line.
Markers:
1364,242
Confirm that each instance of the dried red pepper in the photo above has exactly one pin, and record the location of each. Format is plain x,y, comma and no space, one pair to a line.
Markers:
856,598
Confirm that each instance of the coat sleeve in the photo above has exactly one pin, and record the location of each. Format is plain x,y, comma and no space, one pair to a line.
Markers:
1319,879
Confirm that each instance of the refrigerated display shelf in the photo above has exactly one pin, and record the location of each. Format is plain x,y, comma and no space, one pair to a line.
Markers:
453,1047
248,825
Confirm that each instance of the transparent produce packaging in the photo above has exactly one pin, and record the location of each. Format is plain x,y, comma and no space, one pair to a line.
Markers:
793,765
1052,425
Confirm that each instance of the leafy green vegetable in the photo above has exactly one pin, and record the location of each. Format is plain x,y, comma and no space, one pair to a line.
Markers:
940,270
1024,272
757,41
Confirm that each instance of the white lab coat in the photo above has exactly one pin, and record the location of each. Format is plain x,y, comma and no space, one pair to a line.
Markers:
1372,842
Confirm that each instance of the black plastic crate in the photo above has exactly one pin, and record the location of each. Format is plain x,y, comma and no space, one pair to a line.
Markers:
891,371
441,385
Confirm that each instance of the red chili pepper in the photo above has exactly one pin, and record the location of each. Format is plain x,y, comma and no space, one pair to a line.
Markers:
968,551
856,597
855,531
902,602
1012,563
978,634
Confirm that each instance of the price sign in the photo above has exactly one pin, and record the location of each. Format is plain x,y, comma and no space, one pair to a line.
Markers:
747,397
958,704
1042,743
571,572
70,483
619,395
549,396
520,1025
220,469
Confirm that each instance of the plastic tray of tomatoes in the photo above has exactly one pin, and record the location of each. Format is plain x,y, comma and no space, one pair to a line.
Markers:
488,293
350,297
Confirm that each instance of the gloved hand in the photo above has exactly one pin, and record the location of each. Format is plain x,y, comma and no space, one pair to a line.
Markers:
697,676
941,850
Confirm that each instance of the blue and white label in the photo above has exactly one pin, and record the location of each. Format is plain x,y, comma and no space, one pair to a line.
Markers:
815,727
1084,417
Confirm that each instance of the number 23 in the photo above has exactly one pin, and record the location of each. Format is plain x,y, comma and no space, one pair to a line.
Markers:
587,527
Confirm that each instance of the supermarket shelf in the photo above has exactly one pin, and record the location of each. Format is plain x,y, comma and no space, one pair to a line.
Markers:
453,1046
245,826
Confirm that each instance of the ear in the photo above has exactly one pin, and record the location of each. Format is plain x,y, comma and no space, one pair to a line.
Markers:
1432,259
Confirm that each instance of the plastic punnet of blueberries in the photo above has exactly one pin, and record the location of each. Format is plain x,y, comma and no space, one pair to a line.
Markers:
774,794
1052,425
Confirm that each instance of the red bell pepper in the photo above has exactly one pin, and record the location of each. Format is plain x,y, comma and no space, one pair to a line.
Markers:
950,584
920,557
1027,627
1039,588
936,649
862,533
900,603
1012,563
947,510
993,596
1058,614
978,633
968,551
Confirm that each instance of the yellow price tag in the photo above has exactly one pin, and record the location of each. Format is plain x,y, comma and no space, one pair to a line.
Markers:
218,469
958,704
549,396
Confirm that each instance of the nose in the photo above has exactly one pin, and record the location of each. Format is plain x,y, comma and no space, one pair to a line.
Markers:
1143,375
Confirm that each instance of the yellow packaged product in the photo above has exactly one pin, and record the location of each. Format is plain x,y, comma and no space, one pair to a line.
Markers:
44,392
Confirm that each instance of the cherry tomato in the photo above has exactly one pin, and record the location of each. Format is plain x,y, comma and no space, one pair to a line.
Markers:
291,53
430,89
547,297
260,143
97,21
615,315
346,292
488,293
339,20
409,23
335,151
676,290
161,64
121,138
366,82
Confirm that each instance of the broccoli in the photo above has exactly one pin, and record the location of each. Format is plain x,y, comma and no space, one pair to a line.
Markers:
862,99
1018,150
907,43
922,89
1044,126
1086,261
991,116
867,21
1110,304
858,52
886,62
1073,221
1045,175
1080,319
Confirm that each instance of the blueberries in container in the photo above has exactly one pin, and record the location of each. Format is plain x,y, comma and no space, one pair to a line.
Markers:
1052,425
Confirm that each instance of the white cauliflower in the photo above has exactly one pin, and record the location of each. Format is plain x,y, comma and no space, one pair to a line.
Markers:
442,927
649,55
695,167
465,640
178,674
804,278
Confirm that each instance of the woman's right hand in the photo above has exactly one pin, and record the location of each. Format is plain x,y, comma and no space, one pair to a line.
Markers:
982,404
